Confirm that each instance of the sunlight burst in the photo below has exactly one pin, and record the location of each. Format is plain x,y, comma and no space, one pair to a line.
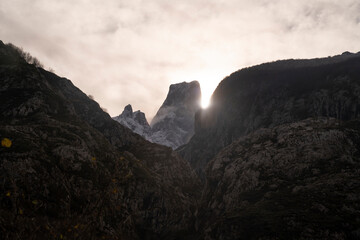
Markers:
208,78
205,101
208,84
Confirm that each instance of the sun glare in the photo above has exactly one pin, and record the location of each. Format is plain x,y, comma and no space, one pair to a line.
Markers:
208,78
208,83
205,101
207,88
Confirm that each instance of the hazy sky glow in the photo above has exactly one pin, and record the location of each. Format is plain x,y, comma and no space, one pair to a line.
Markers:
131,51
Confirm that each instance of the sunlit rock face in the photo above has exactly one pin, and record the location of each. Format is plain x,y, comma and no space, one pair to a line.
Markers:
69,171
173,124
271,94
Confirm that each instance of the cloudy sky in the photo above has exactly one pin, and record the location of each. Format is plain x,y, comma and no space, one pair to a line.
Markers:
131,51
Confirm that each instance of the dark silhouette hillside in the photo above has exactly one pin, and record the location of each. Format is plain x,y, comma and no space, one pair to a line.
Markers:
69,171
271,94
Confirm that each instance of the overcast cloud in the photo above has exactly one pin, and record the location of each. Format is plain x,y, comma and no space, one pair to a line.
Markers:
131,51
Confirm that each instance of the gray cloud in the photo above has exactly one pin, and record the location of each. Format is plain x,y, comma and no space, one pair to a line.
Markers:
130,51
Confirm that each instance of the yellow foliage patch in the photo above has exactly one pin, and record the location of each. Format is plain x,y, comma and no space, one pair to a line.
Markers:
93,161
8,194
35,202
6,142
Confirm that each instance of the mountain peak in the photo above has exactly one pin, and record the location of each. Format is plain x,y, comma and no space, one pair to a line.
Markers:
128,108
184,84
173,124
128,111
136,121
175,118
346,53
183,93
140,118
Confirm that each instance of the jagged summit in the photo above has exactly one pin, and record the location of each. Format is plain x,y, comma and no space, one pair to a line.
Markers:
128,111
136,121
173,124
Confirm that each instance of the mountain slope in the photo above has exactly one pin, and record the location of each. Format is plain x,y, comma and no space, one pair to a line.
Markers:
73,172
279,152
294,181
272,94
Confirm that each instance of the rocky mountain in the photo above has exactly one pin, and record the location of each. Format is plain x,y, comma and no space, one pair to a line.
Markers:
294,181
69,171
135,121
173,124
278,152
272,94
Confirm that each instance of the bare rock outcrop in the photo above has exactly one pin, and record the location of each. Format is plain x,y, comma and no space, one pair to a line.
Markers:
294,181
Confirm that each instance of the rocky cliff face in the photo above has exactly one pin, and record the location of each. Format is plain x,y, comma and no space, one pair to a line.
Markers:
294,181
173,124
272,94
69,171
278,152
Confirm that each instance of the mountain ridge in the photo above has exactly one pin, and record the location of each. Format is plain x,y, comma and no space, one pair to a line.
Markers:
267,96
173,124
278,153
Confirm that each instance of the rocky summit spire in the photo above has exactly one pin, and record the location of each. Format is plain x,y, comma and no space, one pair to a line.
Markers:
136,121
128,112
173,124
